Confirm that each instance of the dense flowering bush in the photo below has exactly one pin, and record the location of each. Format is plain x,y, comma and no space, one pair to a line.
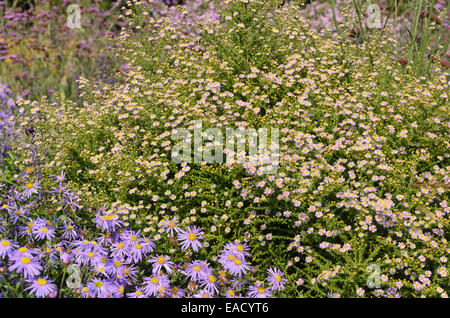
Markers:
359,203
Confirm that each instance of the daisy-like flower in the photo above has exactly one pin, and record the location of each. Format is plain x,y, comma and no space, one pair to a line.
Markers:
16,213
259,291
210,284
234,263
41,287
276,279
109,222
176,292
161,261
156,284
136,252
69,232
7,247
171,226
29,189
197,270
22,252
99,288
190,238
119,250
28,266
138,293
115,268
238,249
43,230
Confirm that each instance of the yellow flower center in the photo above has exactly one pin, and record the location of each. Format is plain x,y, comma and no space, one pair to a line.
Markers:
29,185
23,249
191,236
154,280
231,292
231,257
29,170
99,284
161,260
133,238
211,278
138,246
5,243
197,268
25,260
261,290
41,282
240,248
44,230
278,278
90,254
138,293
237,261
117,263
120,245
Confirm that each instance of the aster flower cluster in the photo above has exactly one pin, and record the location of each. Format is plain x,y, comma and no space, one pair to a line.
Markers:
357,208
112,260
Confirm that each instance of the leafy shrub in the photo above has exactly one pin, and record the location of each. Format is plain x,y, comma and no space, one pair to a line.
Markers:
363,176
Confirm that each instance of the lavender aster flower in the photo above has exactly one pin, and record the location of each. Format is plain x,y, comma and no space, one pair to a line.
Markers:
190,238
161,261
42,287
7,247
276,279
29,266
259,292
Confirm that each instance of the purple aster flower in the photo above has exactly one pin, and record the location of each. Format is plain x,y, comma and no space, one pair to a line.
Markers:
240,250
231,293
197,270
66,257
69,231
137,252
210,284
29,266
176,292
42,287
15,212
43,230
29,189
59,178
190,238
171,226
138,293
71,200
100,288
23,252
276,279
161,261
259,291
234,263
115,268
156,284
7,247
109,222
119,250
